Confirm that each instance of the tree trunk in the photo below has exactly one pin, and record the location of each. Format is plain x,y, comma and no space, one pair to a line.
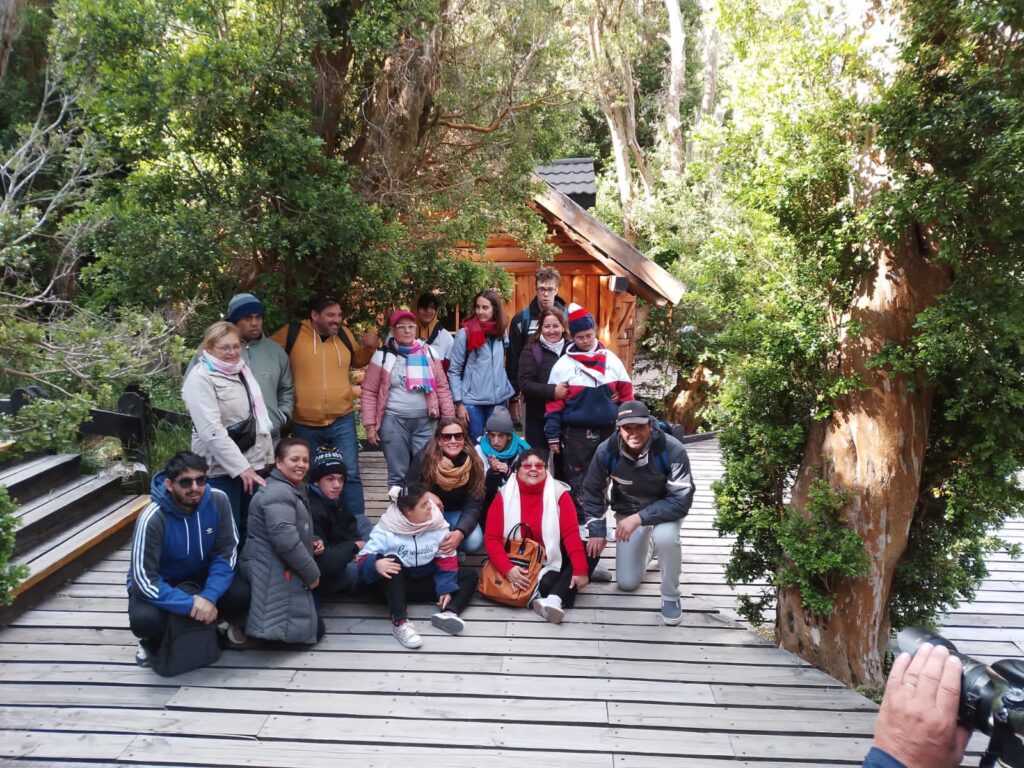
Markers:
707,101
685,405
676,86
10,28
872,448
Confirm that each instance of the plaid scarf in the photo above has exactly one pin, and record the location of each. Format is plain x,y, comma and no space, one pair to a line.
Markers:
593,362
419,376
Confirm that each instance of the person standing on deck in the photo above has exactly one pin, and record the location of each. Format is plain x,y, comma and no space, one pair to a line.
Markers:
651,490
430,330
525,325
322,353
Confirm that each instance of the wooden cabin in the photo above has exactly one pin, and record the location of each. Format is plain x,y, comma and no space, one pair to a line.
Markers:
600,270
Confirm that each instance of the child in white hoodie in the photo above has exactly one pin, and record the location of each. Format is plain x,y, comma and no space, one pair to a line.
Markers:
403,554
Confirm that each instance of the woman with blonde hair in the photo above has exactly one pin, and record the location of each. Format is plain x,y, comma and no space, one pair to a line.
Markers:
230,423
453,472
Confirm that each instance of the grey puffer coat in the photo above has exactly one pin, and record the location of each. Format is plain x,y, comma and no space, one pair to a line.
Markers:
278,562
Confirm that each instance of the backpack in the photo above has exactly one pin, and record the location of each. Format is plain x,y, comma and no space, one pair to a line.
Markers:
187,644
661,460
293,335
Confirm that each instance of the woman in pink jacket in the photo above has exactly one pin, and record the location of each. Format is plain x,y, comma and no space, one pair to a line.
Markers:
404,393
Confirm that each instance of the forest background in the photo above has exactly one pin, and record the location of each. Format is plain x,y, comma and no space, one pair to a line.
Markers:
838,185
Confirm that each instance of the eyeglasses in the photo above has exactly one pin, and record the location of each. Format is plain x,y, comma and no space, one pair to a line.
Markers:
533,465
451,437
405,327
187,482
542,289
228,349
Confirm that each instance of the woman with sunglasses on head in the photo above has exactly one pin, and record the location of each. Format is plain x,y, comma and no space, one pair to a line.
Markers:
454,474
546,511
403,395
477,374
279,557
230,423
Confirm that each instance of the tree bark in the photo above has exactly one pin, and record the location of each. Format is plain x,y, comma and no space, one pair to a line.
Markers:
872,448
10,28
707,101
676,86
684,406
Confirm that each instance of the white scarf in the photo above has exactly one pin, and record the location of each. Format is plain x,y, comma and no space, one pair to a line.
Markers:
551,530
557,347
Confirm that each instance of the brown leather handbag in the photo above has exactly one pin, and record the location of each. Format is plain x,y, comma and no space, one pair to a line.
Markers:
528,555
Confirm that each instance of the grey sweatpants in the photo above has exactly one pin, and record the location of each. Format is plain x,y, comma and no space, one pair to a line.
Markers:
631,557
402,438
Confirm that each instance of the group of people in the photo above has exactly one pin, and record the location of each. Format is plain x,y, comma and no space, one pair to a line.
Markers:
266,513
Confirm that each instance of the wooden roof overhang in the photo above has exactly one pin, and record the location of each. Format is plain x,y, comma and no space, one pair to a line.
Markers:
646,278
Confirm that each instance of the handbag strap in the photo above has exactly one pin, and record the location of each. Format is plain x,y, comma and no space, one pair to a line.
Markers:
516,529
248,394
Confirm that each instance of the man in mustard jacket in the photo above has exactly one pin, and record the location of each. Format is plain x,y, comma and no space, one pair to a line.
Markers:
322,352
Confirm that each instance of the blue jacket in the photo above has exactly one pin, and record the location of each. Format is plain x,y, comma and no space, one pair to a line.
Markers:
877,758
170,546
478,377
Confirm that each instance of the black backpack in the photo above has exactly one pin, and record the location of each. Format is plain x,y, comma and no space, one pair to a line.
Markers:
187,644
293,334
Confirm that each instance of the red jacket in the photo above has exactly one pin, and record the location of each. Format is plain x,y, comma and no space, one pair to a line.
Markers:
530,515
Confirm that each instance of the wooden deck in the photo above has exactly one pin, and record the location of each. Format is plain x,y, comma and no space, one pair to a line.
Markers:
609,687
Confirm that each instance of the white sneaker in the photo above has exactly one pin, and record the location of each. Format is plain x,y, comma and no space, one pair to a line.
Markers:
142,655
448,622
550,608
406,634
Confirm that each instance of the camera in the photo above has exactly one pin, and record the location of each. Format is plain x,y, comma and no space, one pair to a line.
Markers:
991,698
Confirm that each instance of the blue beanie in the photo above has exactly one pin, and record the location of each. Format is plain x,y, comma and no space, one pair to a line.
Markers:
243,305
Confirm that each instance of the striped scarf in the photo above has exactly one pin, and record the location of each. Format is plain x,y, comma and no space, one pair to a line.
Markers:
593,362
419,376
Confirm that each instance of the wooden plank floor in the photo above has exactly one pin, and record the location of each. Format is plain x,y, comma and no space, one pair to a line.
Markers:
609,687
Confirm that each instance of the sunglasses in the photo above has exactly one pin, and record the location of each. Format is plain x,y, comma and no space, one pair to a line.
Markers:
451,437
187,482
533,465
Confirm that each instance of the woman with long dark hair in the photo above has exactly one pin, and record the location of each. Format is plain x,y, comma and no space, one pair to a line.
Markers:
535,363
477,375
450,467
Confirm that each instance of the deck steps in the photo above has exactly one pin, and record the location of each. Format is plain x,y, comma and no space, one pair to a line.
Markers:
67,522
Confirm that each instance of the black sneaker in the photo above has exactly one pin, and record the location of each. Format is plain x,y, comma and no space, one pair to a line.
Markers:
142,657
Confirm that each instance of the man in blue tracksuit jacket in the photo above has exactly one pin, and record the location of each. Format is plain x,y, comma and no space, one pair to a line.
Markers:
185,534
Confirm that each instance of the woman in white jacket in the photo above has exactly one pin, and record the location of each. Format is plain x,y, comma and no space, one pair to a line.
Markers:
403,555
230,423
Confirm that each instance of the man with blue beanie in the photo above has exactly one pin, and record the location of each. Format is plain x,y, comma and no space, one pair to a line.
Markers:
265,359
185,534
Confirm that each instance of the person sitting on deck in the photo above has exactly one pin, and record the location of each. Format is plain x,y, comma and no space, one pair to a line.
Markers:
404,556
651,490
544,507
185,534
336,538
499,449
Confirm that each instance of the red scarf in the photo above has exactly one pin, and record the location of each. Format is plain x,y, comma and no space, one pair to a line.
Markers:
477,332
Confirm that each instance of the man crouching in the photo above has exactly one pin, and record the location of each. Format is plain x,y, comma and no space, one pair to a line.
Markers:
186,534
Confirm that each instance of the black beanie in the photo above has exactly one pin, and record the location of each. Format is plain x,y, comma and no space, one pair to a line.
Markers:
328,461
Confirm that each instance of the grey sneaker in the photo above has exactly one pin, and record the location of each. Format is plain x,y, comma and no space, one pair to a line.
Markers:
142,655
671,612
448,622
549,608
601,574
406,634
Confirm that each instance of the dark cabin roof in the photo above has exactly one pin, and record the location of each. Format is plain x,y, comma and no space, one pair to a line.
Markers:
646,278
573,177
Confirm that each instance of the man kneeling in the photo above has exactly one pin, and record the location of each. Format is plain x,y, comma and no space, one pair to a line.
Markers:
185,535
651,492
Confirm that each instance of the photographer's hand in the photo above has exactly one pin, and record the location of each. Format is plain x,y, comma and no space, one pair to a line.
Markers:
917,722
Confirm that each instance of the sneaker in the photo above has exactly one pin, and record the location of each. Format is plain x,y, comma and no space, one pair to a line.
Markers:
600,574
406,634
671,612
236,636
448,622
549,608
142,655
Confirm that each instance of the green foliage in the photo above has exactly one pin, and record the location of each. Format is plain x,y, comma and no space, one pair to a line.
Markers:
10,575
819,548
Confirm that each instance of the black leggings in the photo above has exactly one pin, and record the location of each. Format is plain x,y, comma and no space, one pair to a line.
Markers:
148,622
338,571
579,444
558,582
401,588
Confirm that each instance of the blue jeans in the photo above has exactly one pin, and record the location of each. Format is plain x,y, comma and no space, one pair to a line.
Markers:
341,433
472,543
239,499
478,416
